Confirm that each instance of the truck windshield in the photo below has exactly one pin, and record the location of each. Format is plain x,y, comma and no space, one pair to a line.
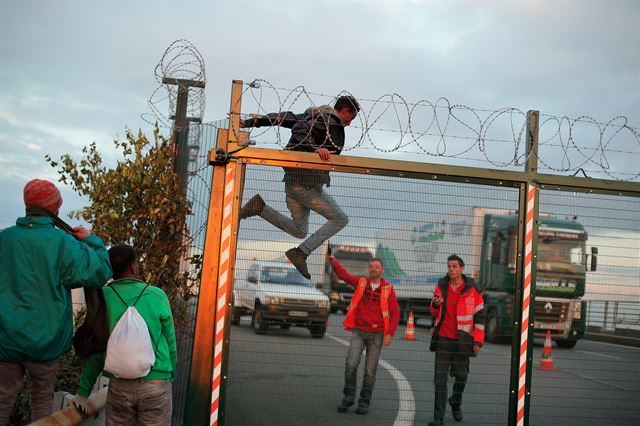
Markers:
283,275
561,255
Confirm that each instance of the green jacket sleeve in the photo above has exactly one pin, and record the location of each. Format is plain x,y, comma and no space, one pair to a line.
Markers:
91,369
169,333
84,263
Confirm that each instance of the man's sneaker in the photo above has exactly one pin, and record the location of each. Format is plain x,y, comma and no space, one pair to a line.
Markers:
344,405
363,407
457,413
253,207
436,423
299,260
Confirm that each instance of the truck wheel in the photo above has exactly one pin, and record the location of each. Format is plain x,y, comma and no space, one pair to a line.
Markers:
491,327
404,315
566,344
235,316
259,327
317,331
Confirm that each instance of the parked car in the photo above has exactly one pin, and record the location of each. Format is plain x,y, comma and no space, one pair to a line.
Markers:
274,293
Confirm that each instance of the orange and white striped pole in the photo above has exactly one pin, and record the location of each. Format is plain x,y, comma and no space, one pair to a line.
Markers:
223,281
526,299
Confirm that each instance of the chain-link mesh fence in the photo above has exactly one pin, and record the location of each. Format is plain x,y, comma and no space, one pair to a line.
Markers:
285,369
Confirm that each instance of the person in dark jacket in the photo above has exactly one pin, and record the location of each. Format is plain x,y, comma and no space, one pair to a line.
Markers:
320,130
39,265
458,309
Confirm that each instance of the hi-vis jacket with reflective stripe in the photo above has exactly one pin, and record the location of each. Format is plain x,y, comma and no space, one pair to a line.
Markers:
385,290
470,312
361,312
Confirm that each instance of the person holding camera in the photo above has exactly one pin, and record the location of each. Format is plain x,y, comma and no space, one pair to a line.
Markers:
458,311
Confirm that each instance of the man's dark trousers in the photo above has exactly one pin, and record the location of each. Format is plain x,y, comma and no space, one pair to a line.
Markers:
448,355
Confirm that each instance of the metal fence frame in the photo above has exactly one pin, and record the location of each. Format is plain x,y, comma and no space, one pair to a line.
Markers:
208,373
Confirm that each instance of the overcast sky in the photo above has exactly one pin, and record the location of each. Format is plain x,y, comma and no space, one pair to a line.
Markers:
75,72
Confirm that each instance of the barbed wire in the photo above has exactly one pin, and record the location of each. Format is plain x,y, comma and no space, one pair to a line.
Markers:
201,172
565,130
390,123
181,60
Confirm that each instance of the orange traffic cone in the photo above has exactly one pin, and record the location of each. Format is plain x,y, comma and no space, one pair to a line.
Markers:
546,363
410,334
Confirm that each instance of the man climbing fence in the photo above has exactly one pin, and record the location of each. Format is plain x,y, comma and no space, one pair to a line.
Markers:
320,130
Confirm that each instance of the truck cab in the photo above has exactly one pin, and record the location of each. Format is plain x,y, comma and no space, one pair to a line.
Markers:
561,261
354,259
274,293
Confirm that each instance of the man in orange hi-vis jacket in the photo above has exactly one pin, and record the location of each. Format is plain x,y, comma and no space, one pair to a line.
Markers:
458,311
373,317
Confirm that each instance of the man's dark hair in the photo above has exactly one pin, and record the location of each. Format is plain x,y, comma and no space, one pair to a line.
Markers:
377,259
456,258
122,257
347,102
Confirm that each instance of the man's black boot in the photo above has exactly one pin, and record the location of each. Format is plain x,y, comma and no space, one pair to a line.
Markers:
345,404
457,413
299,260
253,207
436,423
363,406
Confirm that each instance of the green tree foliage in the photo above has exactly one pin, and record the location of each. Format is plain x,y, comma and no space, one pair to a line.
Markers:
138,202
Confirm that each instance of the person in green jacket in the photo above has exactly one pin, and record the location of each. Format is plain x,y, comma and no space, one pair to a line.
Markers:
147,400
39,265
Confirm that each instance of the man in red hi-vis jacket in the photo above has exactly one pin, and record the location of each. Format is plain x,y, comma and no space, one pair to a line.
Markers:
458,311
373,318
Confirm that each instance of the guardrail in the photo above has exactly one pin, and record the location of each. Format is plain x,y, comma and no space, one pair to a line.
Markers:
613,322
611,315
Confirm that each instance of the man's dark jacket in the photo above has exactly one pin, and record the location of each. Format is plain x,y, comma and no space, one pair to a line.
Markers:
317,127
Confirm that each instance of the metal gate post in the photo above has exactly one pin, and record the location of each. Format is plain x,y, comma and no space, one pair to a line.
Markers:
232,196
522,351
203,395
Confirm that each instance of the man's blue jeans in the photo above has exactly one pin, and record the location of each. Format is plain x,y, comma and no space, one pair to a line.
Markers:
361,340
300,201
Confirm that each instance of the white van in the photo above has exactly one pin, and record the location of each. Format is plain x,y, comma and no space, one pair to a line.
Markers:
275,293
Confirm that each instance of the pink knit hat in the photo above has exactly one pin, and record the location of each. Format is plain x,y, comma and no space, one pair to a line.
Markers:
42,193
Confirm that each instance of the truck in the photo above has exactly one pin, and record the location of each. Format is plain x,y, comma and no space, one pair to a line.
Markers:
412,283
415,258
355,259
274,293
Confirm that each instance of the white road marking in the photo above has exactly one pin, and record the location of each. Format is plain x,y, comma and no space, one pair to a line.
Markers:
598,354
407,405
602,382
613,344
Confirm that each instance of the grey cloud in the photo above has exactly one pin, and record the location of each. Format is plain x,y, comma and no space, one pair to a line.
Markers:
90,66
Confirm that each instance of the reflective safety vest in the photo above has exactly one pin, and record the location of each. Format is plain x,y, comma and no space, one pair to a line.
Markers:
469,313
385,290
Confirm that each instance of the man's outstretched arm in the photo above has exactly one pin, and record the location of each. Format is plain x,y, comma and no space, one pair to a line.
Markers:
283,119
342,273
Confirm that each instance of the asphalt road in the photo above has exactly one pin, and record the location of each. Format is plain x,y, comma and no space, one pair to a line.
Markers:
285,377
